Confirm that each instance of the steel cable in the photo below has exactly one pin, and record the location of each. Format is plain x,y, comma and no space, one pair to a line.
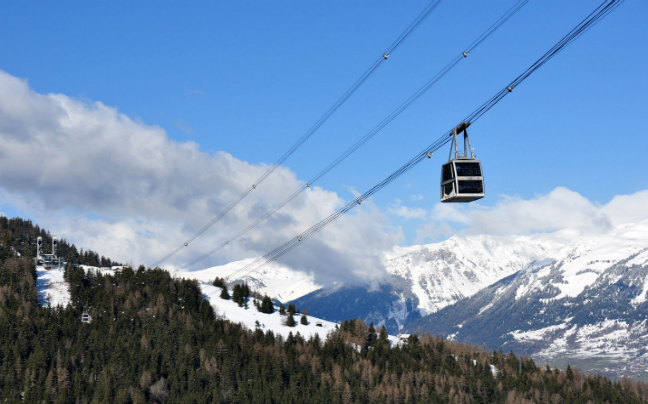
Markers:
417,21
599,13
402,107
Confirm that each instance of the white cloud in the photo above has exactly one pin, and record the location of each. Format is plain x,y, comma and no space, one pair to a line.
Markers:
105,181
406,212
560,209
418,197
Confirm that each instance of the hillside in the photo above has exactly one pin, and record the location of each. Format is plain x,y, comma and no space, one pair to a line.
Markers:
154,339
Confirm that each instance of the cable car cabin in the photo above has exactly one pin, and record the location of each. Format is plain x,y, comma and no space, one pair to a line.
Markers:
462,179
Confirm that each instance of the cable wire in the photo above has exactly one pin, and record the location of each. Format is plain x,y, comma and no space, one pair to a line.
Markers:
402,107
406,33
593,18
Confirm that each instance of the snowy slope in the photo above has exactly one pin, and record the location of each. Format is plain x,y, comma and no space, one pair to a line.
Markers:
53,290
275,280
275,322
248,317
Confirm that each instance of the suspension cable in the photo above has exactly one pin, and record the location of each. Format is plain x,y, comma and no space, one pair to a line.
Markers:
593,18
410,28
402,107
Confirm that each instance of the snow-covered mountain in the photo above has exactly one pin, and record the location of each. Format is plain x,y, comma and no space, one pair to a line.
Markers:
586,299
426,278
440,274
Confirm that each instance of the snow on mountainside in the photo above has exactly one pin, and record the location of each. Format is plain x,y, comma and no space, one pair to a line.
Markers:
275,280
230,310
442,273
426,278
586,300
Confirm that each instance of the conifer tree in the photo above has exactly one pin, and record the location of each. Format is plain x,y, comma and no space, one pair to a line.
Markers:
304,320
225,294
290,320
282,309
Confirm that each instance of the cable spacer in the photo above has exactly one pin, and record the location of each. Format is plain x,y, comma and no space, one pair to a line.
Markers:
385,56
186,244
253,186
275,258
465,54
509,88
298,238
308,185
359,201
429,155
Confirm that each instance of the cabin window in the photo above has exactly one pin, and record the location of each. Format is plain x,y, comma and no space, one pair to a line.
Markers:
447,172
468,170
448,188
471,187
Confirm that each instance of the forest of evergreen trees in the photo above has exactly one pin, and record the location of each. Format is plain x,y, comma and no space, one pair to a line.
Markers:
154,339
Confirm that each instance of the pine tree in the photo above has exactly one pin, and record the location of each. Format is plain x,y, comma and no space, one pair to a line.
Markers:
282,309
237,294
225,294
266,305
304,320
290,320
219,282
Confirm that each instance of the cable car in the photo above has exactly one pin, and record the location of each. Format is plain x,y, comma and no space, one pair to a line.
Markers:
462,178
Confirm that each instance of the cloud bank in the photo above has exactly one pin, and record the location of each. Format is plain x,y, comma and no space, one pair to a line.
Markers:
558,210
105,181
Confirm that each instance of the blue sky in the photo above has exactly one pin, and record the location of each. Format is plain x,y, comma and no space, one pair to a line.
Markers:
249,78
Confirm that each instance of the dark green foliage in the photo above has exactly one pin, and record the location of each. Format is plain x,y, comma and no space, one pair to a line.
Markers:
219,282
291,308
266,305
304,320
282,309
240,294
290,320
224,294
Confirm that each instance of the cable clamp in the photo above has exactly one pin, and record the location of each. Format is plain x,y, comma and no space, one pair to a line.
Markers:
308,185
275,258
298,238
253,186
186,244
509,88
359,201
385,56
429,155
465,54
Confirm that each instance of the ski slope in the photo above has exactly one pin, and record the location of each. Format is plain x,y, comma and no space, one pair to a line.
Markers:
53,290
